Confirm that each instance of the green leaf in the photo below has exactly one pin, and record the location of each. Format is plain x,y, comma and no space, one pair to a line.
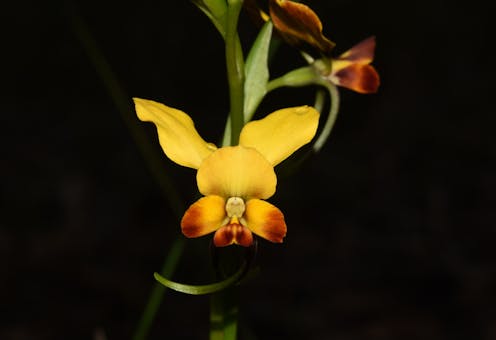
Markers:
216,11
257,71
202,289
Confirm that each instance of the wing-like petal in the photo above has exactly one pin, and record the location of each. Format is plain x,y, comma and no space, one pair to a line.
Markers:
281,133
176,133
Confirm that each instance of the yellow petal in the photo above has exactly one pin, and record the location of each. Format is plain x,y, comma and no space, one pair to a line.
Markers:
281,133
176,133
236,171
204,216
265,220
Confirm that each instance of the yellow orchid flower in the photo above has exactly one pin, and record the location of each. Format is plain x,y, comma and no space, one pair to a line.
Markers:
235,180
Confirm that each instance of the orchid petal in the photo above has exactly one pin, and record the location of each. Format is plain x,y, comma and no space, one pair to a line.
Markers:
299,25
233,233
236,171
265,220
281,133
204,216
362,53
352,69
176,132
354,76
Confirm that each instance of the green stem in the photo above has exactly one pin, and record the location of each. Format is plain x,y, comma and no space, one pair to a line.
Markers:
224,304
331,119
302,76
224,314
235,70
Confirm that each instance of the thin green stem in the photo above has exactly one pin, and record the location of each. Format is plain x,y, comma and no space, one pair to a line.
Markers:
299,77
224,314
319,102
275,84
224,304
235,70
331,119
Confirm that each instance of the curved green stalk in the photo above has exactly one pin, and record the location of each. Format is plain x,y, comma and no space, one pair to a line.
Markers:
331,118
203,289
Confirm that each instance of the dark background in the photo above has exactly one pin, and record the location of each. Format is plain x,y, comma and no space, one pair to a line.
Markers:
390,228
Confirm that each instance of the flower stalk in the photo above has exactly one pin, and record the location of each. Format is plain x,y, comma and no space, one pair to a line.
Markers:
235,69
224,314
224,304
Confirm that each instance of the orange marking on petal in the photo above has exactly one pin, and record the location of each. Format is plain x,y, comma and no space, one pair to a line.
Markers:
223,237
265,220
204,216
243,236
233,233
358,77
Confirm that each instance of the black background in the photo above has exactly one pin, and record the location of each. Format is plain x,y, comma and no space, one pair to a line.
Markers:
390,228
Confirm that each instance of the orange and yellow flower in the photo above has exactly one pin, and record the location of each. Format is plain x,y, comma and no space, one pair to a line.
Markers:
235,180
352,69
301,27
